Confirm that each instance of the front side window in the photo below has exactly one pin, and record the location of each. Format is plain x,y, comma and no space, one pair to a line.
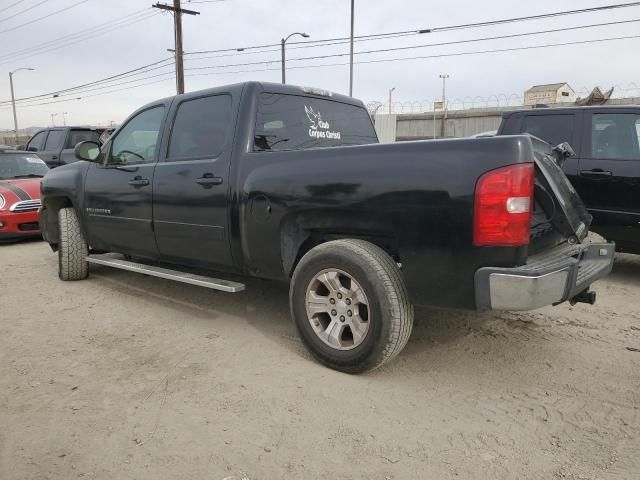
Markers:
54,140
615,136
200,128
37,141
136,142
292,122
553,129
77,136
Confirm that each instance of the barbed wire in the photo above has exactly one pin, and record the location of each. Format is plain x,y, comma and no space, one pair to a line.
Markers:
501,100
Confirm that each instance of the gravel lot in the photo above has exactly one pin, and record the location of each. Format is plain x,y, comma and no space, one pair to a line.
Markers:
124,376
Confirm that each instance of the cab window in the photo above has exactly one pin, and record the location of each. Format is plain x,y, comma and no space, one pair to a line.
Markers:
37,141
136,142
54,140
615,136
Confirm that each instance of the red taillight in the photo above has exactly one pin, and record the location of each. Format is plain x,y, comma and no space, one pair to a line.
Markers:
503,204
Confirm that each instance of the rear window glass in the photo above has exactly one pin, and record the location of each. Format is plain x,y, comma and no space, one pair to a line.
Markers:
77,136
553,129
292,122
21,165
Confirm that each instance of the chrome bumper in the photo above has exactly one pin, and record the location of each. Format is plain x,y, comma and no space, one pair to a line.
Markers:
548,278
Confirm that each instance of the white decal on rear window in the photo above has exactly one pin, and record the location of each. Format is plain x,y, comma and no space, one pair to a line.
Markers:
319,128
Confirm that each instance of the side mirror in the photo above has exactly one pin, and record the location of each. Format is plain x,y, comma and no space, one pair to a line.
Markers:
87,150
32,149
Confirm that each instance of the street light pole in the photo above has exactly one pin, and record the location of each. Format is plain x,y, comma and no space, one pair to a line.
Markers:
351,53
282,44
64,118
53,123
13,102
444,101
390,94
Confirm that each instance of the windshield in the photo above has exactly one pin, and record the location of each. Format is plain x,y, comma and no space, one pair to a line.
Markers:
21,165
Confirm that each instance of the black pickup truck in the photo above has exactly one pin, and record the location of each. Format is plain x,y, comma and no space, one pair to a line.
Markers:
606,168
287,183
55,145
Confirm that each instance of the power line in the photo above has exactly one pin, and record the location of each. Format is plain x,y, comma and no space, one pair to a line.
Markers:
43,17
95,82
395,49
80,36
11,6
23,11
425,57
381,36
440,44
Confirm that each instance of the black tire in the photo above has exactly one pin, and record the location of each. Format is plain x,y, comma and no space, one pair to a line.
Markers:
390,313
72,247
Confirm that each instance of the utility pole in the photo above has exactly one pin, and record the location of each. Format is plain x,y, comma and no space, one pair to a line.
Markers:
444,101
53,123
64,118
351,53
13,103
177,31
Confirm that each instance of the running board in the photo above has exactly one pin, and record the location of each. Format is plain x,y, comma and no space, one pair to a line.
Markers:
116,261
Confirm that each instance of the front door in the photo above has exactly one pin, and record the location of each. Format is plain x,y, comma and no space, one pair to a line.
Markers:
118,192
609,180
191,183
50,152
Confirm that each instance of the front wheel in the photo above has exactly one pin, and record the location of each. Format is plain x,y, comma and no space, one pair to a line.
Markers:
350,305
72,247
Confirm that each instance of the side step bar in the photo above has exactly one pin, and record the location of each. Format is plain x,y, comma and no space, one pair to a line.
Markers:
117,261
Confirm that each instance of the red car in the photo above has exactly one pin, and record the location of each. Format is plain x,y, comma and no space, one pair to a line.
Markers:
20,174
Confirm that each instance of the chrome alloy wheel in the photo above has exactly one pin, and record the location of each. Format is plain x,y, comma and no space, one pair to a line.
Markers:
337,309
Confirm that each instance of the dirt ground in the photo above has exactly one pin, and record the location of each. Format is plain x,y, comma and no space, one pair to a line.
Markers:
123,376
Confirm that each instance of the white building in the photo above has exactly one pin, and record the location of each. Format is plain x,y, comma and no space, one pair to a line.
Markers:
549,94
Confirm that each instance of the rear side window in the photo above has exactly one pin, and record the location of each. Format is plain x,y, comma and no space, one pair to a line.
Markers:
54,140
37,141
200,128
292,122
553,129
615,136
77,136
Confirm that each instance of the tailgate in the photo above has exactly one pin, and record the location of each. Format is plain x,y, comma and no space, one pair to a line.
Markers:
556,198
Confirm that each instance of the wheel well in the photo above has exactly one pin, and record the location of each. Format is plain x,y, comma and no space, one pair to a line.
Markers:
50,210
304,232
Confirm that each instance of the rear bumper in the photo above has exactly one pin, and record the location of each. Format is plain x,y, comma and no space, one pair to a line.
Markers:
548,278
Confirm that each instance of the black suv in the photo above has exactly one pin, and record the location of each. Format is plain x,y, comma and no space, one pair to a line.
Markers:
606,168
55,145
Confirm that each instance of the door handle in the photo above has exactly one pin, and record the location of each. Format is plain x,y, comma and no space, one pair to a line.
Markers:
208,179
54,157
138,182
596,172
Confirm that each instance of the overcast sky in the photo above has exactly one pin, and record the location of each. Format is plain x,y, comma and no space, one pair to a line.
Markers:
240,23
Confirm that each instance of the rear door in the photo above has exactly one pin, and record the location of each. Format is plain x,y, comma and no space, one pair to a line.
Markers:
609,180
118,193
191,182
50,152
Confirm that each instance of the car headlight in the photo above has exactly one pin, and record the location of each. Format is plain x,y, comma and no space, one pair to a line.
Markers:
2,202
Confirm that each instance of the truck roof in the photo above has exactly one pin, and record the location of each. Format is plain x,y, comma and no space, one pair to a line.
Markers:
269,87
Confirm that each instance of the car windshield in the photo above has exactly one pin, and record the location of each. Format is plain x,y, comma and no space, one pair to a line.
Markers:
21,165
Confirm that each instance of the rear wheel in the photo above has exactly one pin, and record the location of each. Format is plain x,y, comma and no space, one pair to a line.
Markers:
72,247
350,305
